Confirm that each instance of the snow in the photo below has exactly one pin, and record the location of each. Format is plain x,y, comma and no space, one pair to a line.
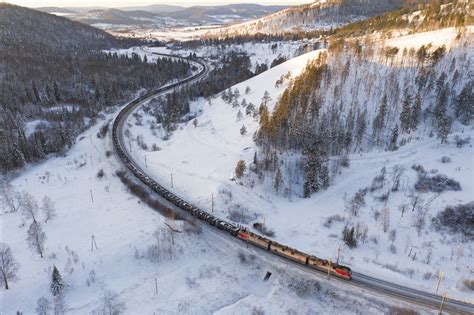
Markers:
30,126
202,160
446,37
205,276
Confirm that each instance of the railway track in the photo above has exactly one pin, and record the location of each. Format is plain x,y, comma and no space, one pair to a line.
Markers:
407,294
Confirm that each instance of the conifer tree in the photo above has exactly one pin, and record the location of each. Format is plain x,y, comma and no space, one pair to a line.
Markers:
379,120
57,283
465,104
405,115
243,130
393,139
278,180
416,113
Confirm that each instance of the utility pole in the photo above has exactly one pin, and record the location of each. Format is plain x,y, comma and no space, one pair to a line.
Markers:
338,252
146,165
440,276
156,286
92,197
171,180
93,243
442,302
130,142
212,202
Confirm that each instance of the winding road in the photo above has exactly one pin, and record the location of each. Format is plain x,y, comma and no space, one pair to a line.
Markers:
379,286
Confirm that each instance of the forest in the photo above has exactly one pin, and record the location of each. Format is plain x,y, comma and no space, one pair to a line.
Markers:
357,98
55,80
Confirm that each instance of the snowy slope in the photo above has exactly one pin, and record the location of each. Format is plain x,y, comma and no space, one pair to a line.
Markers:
201,160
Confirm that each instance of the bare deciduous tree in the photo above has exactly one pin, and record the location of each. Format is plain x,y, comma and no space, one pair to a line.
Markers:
9,197
36,238
49,209
29,206
43,306
110,304
8,265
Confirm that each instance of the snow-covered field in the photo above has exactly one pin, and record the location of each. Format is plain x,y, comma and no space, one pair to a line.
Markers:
204,274
201,159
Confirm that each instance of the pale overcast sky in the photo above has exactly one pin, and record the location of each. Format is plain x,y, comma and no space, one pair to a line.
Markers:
127,3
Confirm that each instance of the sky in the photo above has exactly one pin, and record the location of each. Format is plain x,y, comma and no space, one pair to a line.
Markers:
127,3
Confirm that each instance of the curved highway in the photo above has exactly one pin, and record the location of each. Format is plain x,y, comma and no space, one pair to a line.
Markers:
407,294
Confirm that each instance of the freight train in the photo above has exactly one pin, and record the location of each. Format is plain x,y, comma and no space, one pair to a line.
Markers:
234,230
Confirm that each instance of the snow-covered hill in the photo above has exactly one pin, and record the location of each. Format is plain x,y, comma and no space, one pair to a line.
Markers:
319,15
397,240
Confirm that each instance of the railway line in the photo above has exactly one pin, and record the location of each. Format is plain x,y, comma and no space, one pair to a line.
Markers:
302,260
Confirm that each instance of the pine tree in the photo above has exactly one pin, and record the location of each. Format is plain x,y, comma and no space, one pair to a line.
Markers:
266,98
235,103
239,115
35,92
393,139
243,131
57,94
444,128
278,180
361,125
405,115
249,109
57,283
441,106
416,113
379,120
237,94
247,90
465,104
311,167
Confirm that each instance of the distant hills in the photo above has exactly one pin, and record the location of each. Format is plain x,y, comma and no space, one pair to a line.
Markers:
318,15
160,14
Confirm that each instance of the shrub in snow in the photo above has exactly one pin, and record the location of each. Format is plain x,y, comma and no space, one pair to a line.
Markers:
43,306
333,218
356,202
418,168
460,142
469,283
457,219
257,311
263,229
192,227
110,304
100,173
349,237
445,160
241,214
438,184
378,181
304,287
